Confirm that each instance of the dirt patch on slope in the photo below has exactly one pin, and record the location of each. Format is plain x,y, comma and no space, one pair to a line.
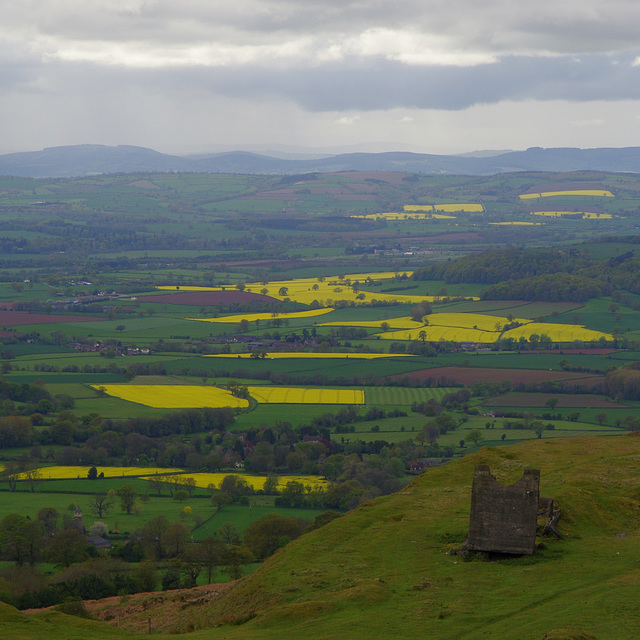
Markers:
169,611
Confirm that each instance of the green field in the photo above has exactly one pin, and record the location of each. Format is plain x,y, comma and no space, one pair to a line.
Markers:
91,247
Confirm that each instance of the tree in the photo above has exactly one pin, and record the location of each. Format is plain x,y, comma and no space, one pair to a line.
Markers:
552,403
235,486
92,474
100,504
157,483
66,548
475,436
420,311
180,496
228,532
190,485
15,431
267,534
120,328
191,564
127,495
430,432
601,418
235,558
151,536
33,477
212,551
293,493
10,474
175,539
20,539
220,500
537,428
271,485
147,575
48,516
63,432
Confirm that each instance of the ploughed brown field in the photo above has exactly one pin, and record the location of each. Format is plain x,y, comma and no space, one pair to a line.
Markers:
445,237
198,298
387,176
564,401
19,318
469,376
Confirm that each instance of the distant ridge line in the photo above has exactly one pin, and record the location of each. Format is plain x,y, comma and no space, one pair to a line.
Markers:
92,159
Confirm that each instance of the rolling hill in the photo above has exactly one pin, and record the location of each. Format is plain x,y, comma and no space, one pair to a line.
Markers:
384,569
81,160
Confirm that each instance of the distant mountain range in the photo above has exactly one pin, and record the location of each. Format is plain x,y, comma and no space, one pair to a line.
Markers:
83,160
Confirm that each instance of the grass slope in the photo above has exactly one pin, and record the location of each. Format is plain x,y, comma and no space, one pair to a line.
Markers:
383,570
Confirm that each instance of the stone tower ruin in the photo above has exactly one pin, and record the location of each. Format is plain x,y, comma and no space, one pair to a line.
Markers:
503,517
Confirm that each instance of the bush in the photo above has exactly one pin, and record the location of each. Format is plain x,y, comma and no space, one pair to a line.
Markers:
171,579
74,608
99,529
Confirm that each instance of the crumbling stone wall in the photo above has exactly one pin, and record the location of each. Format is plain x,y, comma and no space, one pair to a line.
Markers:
503,517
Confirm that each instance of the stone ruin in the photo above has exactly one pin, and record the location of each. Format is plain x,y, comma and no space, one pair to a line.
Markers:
504,518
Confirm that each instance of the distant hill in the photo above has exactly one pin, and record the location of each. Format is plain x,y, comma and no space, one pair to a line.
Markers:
83,160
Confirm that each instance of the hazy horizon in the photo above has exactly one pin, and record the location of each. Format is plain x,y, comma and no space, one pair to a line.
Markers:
427,76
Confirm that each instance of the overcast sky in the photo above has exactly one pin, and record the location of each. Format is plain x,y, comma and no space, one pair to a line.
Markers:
437,76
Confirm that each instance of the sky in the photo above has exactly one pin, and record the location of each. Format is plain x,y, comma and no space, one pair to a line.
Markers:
432,76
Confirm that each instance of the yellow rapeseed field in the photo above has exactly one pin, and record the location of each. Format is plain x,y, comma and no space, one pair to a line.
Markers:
446,207
68,472
324,290
256,482
467,208
457,327
395,217
436,333
486,329
589,215
471,320
304,395
557,332
165,396
251,317
281,355
578,192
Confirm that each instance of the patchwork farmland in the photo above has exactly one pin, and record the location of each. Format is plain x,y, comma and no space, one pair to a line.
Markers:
184,356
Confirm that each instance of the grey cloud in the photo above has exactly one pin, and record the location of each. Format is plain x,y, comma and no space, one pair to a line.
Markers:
367,85
500,26
385,84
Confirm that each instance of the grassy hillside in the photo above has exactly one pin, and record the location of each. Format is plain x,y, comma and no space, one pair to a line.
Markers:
384,571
